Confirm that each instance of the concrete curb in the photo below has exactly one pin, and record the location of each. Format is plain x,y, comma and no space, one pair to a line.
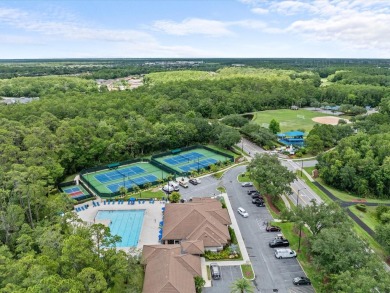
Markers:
240,240
254,275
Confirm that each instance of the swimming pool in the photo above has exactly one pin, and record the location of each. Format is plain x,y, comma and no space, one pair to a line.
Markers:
127,224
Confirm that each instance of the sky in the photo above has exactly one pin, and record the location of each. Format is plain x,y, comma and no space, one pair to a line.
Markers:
194,29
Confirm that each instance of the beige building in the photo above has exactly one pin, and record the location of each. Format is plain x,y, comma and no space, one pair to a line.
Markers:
203,219
168,270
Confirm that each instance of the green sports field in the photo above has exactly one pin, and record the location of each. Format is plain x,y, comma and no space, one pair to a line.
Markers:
288,119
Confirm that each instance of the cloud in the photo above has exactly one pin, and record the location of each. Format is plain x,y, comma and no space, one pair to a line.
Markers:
259,10
67,28
357,24
197,26
359,30
192,26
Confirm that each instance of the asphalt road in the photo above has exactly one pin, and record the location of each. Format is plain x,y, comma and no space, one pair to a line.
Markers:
271,273
229,274
306,194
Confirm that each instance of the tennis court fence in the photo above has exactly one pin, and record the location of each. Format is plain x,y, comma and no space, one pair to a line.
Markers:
185,149
71,183
84,180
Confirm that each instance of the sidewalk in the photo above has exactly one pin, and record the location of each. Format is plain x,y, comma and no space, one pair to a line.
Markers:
244,252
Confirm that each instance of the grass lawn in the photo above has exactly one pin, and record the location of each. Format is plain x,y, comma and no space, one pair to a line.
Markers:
244,178
291,233
288,118
148,194
70,177
247,272
373,244
309,169
221,189
369,217
211,146
208,272
345,196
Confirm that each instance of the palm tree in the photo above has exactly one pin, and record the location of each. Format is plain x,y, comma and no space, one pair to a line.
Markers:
241,286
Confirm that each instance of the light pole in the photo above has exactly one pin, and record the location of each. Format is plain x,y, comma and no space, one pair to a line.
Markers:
301,167
300,224
242,145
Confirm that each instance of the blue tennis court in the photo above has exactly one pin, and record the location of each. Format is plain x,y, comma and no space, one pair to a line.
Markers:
118,174
180,159
131,182
198,165
75,192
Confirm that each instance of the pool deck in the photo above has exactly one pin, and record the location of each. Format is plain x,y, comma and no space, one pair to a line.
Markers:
150,226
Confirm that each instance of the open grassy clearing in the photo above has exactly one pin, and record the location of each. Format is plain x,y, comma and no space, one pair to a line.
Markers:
224,73
288,118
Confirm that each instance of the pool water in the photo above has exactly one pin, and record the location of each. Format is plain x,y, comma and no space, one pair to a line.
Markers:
127,224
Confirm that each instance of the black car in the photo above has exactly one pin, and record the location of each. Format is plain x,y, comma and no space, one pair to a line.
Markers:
193,182
272,229
260,204
279,243
301,281
252,191
257,200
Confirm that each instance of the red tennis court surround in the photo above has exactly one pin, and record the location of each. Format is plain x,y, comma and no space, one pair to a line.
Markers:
76,193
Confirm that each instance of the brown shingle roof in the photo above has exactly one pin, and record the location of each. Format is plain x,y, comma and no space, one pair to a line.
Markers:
168,271
192,246
203,219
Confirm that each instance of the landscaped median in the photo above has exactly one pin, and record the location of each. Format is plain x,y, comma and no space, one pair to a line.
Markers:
247,272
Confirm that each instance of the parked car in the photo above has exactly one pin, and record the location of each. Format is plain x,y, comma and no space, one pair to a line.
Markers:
260,204
285,253
279,243
252,191
256,196
257,200
193,181
183,183
246,184
272,229
215,271
242,212
301,281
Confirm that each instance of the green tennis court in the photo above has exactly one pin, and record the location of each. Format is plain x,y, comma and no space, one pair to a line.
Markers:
111,180
191,160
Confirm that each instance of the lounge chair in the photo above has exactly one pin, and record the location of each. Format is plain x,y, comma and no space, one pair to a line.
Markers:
104,202
98,204
83,208
143,202
94,204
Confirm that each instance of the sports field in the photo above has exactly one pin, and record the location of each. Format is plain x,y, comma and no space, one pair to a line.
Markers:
288,119
111,180
76,192
193,160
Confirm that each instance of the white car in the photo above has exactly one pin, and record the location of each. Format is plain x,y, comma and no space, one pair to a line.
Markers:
285,253
246,184
243,212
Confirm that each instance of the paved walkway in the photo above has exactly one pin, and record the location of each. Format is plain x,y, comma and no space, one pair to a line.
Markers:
244,252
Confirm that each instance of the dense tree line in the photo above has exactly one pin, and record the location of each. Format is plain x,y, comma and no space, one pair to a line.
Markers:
74,126
324,136
343,260
361,163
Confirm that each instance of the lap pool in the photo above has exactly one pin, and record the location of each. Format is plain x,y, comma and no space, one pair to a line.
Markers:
127,224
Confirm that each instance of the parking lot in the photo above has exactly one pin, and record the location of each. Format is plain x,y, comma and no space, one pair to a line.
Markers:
229,274
272,275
